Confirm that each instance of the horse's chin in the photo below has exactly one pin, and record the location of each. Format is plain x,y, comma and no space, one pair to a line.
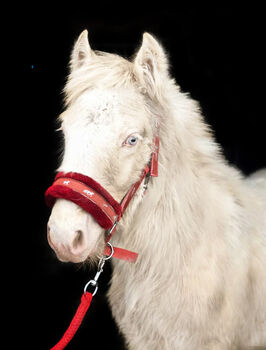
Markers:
72,259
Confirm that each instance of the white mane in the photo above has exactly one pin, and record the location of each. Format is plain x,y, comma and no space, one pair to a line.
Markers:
105,69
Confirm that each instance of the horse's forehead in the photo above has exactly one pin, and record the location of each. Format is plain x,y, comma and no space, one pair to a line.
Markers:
98,100
104,106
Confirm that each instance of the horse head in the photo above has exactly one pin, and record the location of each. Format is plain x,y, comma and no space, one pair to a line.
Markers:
112,107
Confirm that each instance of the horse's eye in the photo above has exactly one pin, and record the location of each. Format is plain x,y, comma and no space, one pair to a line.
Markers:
131,140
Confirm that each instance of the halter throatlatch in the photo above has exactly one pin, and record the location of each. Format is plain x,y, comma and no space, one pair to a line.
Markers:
98,202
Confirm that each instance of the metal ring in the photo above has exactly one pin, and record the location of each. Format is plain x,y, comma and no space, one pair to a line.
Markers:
112,252
94,284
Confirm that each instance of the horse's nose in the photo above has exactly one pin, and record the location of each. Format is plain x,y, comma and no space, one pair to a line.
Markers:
72,250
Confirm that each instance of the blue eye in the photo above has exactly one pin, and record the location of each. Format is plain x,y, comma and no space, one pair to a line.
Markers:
131,140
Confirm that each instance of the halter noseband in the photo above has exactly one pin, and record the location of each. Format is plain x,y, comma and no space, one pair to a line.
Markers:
86,193
98,202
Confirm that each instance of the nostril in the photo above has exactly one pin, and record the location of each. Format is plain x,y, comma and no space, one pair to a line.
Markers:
78,241
48,234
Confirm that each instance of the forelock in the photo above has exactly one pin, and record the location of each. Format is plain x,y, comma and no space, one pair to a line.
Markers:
104,71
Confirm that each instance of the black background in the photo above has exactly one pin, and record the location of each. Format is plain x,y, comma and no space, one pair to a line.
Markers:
216,54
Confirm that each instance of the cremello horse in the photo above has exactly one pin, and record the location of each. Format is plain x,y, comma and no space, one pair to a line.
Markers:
200,230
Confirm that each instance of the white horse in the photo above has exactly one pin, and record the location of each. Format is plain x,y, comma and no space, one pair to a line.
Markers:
200,230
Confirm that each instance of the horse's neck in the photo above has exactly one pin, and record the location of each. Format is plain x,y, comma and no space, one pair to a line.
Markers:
191,198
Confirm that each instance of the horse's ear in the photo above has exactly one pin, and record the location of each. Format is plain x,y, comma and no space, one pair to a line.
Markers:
82,52
151,64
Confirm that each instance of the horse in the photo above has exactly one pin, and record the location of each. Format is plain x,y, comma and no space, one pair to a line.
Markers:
199,227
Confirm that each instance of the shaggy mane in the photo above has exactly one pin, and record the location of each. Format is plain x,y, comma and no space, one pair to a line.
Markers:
105,70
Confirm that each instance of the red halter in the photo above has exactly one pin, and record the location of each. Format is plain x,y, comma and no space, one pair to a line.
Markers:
98,202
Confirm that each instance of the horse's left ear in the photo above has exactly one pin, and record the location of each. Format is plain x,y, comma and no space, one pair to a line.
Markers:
151,64
82,52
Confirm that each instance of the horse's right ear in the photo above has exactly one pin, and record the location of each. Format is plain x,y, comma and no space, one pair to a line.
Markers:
82,52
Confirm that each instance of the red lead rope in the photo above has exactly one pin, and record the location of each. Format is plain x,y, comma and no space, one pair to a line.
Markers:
76,322
84,303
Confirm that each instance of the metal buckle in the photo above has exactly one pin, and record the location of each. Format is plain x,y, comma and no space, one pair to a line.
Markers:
109,234
146,181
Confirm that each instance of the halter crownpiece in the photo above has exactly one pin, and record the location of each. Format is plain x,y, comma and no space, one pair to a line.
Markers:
98,202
